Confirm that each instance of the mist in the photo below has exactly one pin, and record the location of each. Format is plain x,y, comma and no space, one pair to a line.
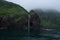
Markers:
38,4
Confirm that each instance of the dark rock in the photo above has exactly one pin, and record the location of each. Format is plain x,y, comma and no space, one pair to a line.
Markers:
35,23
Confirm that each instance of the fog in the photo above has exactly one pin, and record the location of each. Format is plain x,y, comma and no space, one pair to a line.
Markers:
41,4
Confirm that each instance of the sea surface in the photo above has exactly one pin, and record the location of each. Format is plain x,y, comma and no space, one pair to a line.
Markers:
46,34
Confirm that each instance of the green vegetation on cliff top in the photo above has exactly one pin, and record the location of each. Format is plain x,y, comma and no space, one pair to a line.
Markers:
7,8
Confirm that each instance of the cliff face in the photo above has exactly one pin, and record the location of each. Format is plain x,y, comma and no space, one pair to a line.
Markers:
14,17
35,22
11,15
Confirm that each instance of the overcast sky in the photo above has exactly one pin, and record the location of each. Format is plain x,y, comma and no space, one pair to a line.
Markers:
42,4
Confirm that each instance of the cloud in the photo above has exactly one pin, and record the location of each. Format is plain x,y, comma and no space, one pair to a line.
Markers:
42,4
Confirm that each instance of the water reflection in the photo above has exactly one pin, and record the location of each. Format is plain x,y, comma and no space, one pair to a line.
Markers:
44,35
50,34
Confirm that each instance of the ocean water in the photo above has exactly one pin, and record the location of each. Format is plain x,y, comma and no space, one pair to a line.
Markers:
44,35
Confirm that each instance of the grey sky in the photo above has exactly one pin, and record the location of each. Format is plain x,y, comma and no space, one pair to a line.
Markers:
42,4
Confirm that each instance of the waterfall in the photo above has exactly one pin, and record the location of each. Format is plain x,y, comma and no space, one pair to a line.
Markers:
28,24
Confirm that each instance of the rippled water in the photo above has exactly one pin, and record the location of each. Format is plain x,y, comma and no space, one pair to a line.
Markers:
50,34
